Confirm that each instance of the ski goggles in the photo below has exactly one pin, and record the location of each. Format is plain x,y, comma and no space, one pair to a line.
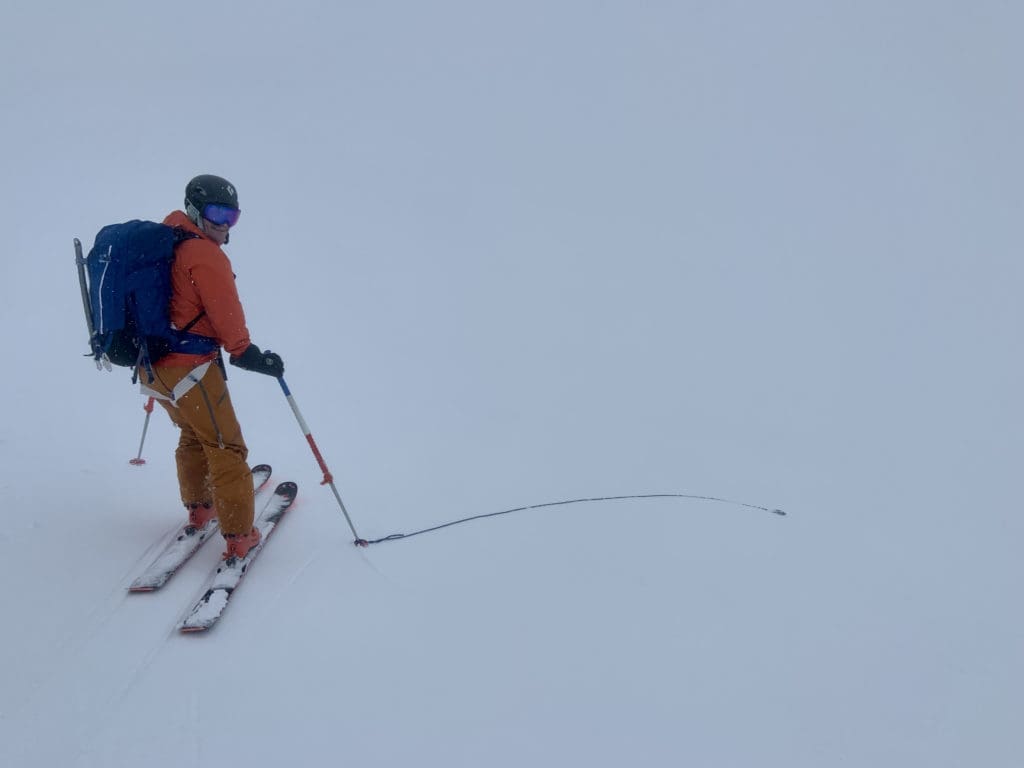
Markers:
221,214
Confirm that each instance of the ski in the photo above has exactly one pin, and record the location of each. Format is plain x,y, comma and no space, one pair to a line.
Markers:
208,609
186,542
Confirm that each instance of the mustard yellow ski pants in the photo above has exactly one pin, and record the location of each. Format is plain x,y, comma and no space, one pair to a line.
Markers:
211,454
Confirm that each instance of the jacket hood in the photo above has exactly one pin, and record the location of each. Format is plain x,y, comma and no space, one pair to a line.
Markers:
180,219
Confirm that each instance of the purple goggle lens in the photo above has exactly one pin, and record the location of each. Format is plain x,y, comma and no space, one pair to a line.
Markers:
221,214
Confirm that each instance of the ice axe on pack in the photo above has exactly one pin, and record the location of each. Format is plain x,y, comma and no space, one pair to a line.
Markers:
84,284
328,478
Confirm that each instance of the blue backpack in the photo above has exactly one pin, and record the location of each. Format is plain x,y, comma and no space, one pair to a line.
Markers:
127,296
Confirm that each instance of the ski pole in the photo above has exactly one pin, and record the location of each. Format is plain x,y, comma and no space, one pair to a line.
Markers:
148,408
328,478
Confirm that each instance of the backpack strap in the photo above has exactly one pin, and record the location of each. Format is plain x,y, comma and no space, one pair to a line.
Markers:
181,235
142,362
196,319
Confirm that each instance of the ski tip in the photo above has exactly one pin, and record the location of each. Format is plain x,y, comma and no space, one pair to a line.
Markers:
288,489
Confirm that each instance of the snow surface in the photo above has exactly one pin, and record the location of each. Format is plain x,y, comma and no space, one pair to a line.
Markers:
515,253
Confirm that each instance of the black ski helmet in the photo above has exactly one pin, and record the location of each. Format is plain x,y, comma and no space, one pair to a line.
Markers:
206,189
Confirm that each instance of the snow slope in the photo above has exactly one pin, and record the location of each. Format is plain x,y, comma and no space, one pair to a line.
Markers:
514,254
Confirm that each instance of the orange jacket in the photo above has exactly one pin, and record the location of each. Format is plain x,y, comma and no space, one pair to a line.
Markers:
202,280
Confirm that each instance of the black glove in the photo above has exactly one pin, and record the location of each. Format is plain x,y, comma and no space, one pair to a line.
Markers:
260,362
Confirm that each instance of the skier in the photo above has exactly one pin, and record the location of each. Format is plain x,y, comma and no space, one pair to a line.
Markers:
213,476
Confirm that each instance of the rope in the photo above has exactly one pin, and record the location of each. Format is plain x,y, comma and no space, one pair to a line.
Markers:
396,536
